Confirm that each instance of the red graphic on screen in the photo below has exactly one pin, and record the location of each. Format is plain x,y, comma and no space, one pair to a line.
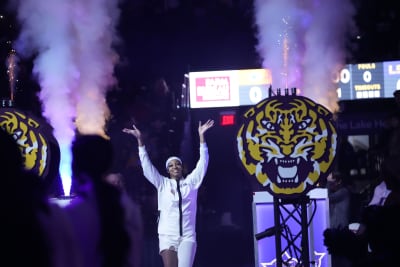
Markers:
213,89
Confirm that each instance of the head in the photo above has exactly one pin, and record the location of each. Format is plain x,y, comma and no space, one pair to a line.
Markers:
391,172
392,120
396,95
161,87
92,161
16,180
335,180
11,160
92,156
174,167
116,179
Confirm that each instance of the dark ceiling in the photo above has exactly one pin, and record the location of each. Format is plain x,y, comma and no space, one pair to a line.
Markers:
169,38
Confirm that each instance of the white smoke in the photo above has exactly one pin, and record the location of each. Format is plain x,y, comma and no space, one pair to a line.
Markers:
303,43
72,43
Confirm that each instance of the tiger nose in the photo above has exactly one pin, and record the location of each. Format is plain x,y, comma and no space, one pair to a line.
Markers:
287,149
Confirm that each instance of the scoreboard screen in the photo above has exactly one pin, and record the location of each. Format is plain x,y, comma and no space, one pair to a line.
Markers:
228,88
246,87
369,80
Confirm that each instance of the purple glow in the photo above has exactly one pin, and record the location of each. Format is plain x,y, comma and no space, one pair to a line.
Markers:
74,65
303,44
263,218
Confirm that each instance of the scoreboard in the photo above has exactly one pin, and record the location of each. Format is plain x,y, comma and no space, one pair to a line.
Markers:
228,88
368,80
246,87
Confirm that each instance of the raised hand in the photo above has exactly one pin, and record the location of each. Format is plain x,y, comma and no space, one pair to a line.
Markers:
135,132
203,128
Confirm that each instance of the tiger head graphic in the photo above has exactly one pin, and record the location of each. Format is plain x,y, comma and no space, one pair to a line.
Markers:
288,143
38,147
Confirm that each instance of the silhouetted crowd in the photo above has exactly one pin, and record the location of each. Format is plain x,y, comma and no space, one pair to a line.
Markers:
104,224
371,238
98,228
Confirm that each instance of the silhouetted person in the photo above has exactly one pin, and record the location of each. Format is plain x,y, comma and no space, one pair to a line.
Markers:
389,139
98,214
339,200
135,222
345,157
396,95
388,188
33,231
339,209
376,242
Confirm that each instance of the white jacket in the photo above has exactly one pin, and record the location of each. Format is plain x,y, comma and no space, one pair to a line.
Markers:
168,197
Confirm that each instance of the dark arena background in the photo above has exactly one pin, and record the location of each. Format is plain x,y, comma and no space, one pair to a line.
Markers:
166,51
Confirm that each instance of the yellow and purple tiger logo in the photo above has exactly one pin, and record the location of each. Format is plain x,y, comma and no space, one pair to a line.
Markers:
38,146
288,143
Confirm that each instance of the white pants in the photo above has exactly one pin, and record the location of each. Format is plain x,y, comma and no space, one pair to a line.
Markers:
184,246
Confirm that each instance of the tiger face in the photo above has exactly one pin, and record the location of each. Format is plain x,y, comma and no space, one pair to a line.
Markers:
288,143
34,146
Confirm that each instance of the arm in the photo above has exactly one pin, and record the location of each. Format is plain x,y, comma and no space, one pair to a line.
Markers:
203,128
197,175
149,170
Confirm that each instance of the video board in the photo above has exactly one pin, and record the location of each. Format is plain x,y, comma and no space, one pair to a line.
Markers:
368,80
228,88
231,88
